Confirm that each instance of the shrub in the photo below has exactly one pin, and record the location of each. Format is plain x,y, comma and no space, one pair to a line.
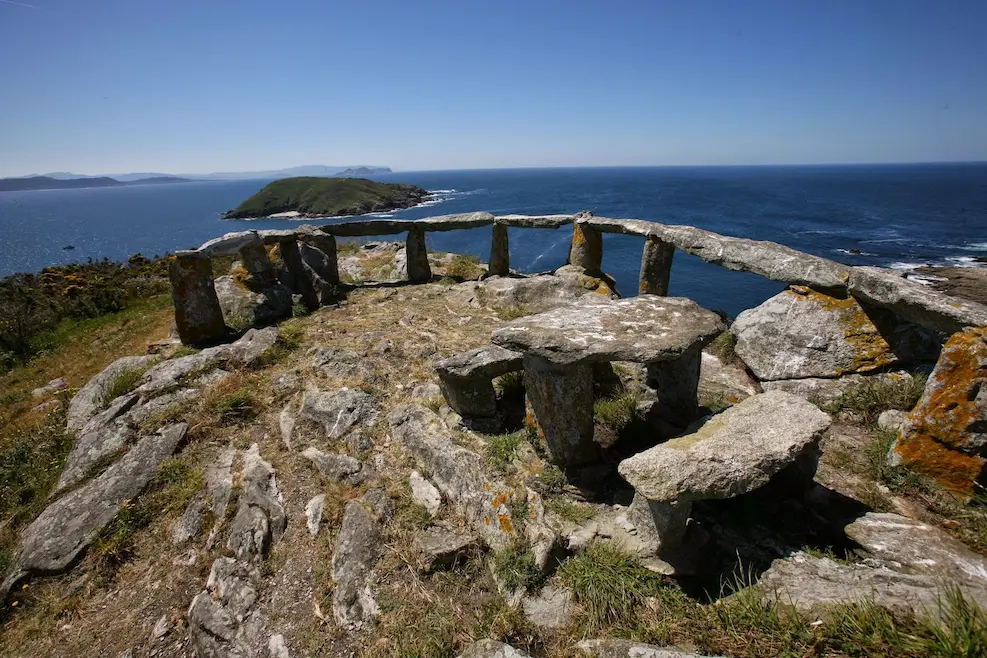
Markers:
464,267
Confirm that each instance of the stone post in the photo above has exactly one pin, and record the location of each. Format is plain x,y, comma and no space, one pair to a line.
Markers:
294,275
500,255
418,268
560,404
586,250
656,267
257,263
661,524
327,245
198,317
677,383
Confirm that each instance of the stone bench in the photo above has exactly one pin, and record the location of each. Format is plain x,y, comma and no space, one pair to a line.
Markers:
560,347
731,454
467,379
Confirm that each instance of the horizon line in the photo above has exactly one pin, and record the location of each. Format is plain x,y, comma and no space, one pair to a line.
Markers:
543,167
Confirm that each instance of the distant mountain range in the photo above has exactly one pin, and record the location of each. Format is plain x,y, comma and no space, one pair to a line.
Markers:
51,183
304,170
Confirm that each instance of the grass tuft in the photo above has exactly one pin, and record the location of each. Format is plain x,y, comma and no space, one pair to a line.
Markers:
724,347
512,312
511,385
503,447
515,568
124,383
464,267
608,583
872,398
569,510
616,413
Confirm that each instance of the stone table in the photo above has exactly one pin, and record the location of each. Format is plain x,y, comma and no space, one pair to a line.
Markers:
560,346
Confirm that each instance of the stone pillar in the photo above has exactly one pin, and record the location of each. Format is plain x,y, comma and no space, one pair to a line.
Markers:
327,245
294,275
560,402
586,250
418,268
258,264
198,317
500,255
660,524
656,267
469,397
677,383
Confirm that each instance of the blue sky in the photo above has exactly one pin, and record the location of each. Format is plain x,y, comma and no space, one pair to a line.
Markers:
111,86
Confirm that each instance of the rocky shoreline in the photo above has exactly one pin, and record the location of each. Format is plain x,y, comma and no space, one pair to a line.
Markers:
964,282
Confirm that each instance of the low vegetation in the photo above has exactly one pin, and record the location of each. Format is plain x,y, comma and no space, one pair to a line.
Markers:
464,267
515,568
328,197
38,312
124,383
872,398
503,447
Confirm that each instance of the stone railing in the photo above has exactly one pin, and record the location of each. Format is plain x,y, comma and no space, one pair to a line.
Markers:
199,317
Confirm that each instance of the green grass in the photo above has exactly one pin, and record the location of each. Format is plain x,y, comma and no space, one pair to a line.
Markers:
872,398
569,510
616,412
299,310
963,630
515,568
124,383
30,463
234,407
170,491
512,312
503,447
723,347
510,385
328,197
608,583
464,267
183,350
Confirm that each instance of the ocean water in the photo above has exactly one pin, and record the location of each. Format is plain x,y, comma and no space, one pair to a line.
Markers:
899,216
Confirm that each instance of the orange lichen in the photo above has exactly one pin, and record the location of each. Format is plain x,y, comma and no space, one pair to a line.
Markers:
871,349
505,523
937,432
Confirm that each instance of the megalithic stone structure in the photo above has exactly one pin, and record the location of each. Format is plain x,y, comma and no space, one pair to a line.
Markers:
198,317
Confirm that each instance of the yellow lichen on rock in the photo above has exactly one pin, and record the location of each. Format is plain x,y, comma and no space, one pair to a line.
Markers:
943,436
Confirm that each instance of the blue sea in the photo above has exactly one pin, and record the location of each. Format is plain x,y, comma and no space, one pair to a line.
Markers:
899,216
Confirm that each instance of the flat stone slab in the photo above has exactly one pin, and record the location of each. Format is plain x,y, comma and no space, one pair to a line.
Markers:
534,221
733,453
644,329
915,302
915,547
769,259
484,362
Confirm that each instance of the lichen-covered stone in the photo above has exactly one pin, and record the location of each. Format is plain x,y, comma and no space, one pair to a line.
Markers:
457,472
91,398
802,333
198,316
642,329
357,550
733,453
339,412
53,541
945,435
251,306
466,379
656,267
586,250
559,399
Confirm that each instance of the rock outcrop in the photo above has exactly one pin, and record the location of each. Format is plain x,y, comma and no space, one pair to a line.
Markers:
61,533
802,333
612,648
945,435
358,548
91,398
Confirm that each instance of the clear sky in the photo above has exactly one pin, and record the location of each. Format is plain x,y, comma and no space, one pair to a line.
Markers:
193,86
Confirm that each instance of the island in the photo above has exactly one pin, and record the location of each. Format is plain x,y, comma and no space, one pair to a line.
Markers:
311,197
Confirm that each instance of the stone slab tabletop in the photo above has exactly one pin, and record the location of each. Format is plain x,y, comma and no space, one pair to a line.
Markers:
733,453
643,329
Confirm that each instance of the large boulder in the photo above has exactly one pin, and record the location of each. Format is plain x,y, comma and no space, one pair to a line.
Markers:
733,453
945,435
802,333
245,307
